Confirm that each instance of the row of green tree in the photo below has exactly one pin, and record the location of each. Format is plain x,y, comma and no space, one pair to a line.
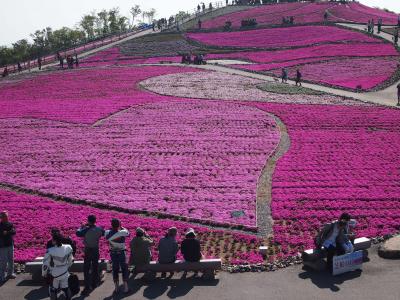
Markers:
91,27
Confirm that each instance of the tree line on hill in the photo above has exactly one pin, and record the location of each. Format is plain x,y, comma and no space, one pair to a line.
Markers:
91,27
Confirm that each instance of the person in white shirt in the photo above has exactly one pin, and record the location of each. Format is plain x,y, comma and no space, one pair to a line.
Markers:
56,264
116,236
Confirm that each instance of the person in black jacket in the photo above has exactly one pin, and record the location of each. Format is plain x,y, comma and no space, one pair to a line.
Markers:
7,232
190,247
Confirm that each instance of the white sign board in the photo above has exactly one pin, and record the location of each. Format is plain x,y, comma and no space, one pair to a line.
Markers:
348,262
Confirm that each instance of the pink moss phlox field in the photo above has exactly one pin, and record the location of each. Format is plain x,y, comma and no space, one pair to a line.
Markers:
348,73
114,57
321,52
282,37
342,158
81,96
226,86
273,14
199,160
304,13
359,13
35,216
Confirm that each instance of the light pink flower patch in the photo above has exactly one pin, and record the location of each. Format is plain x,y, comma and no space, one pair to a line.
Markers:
200,160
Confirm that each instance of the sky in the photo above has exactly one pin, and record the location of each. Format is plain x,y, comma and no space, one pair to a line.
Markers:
19,18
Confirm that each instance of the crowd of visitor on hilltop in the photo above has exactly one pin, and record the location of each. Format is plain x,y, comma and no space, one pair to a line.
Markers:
336,238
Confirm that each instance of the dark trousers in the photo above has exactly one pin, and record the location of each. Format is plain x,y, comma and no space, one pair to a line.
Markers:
91,267
332,251
118,259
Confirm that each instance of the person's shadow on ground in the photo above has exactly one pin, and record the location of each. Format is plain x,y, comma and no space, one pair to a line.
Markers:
325,280
179,287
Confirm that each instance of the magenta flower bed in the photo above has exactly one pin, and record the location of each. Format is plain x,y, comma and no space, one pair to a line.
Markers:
266,14
114,57
359,13
348,73
282,37
35,216
81,96
320,51
304,13
200,161
340,159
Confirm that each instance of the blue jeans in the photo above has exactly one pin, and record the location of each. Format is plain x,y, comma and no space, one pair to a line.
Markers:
118,259
6,262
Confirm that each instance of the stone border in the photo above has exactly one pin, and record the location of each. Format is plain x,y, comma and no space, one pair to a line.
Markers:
264,186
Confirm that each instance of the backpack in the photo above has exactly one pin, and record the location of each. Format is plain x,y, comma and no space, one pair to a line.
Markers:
73,284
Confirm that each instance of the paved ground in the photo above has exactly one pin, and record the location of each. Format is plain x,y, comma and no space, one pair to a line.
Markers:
378,280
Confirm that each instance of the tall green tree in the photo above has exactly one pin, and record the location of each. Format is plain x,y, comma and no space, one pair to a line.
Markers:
135,11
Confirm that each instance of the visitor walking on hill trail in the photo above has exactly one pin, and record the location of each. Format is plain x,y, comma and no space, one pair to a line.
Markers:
91,235
199,24
7,232
5,72
380,25
116,236
298,77
284,75
396,36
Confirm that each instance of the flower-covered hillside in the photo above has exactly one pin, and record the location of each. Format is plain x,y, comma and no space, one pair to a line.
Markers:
196,160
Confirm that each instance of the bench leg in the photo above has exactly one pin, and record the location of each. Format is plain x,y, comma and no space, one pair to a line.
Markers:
37,277
150,276
316,265
208,275
365,256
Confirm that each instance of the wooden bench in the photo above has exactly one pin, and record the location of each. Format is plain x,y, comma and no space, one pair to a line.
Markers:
315,258
35,268
206,266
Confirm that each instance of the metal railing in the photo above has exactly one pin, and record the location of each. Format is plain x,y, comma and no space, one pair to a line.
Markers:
77,49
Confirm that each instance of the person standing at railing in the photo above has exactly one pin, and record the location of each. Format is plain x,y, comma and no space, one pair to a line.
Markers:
5,72
39,61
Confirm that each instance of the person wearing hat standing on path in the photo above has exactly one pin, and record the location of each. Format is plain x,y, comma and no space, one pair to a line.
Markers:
116,236
140,248
168,248
7,232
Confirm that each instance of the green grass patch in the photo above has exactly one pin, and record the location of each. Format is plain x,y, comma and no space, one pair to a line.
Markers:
282,88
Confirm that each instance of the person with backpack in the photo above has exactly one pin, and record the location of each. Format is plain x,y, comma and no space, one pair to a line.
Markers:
7,233
56,264
91,235
336,238
116,236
